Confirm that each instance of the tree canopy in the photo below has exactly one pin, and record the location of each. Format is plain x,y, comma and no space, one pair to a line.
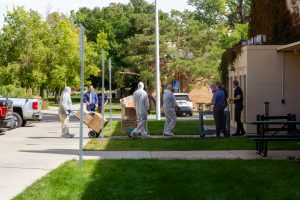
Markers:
44,53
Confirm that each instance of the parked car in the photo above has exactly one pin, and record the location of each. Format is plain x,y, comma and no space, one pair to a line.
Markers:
185,104
6,115
26,109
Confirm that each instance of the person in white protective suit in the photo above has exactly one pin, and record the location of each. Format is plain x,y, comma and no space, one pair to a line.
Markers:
170,105
141,103
64,111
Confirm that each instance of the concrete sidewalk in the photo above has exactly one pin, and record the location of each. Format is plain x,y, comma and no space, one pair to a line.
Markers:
28,153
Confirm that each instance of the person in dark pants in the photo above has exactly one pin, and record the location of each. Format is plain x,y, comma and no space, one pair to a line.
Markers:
238,107
219,103
219,85
91,99
100,101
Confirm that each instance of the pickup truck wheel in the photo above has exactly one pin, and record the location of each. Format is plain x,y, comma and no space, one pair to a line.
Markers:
24,123
18,119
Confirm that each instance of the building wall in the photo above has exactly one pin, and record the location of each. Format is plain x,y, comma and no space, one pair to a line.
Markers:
200,95
239,74
271,76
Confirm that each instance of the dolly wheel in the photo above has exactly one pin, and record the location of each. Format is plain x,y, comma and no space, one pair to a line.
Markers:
92,134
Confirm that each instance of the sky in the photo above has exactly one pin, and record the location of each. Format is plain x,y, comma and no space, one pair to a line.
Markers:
65,6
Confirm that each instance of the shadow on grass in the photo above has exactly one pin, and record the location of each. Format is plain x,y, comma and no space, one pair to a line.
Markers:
173,179
194,180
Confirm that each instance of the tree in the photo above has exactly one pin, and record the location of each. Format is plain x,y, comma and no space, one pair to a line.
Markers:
214,12
22,44
275,20
45,54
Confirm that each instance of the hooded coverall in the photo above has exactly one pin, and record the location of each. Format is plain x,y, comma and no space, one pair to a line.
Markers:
64,106
169,109
141,103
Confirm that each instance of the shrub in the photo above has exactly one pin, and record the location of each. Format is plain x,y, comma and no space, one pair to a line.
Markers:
13,91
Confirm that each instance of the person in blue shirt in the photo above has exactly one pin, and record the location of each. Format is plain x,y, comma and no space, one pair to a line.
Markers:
100,101
219,103
91,99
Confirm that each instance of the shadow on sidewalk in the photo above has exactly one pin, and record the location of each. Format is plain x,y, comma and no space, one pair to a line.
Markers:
54,151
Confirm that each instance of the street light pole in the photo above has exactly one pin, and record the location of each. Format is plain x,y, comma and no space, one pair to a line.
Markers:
110,114
81,93
157,62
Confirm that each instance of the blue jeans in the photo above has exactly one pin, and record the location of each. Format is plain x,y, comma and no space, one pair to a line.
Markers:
91,107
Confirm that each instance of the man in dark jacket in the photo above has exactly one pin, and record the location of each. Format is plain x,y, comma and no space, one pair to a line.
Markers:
238,107
91,99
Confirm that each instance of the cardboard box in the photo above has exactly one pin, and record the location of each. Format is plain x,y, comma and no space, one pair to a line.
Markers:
127,101
127,108
92,120
127,126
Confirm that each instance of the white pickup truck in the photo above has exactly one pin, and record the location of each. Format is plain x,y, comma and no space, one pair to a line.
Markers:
26,109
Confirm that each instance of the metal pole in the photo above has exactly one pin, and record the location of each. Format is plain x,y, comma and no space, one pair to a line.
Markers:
102,108
110,96
81,93
157,62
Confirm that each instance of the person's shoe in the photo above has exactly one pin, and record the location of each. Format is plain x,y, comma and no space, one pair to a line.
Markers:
236,134
146,135
168,134
67,135
133,134
227,135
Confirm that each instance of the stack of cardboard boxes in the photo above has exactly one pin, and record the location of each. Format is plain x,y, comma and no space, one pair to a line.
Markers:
128,116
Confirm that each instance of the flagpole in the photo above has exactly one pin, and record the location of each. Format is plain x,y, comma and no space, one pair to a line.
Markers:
157,62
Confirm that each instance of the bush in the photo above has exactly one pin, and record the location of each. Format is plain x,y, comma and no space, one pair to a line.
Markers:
13,91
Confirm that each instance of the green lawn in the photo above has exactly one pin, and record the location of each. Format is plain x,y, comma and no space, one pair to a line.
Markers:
183,144
169,180
183,127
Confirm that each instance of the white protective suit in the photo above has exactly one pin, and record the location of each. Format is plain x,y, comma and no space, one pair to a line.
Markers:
65,105
169,109
141,103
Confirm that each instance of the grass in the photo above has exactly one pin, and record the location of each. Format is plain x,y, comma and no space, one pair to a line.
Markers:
173,179
183,127
183,144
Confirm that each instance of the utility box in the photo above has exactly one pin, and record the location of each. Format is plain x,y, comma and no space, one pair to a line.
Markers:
128,115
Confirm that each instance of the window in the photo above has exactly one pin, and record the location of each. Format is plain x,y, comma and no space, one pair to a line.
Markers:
182,97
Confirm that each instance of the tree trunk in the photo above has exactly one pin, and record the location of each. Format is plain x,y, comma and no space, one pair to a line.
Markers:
57,94
240,11
42,91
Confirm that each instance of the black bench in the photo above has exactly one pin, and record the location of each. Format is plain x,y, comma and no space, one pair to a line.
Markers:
262,142
265,133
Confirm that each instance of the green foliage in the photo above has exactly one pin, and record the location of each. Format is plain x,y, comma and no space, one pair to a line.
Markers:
273,19
209,11
37,53
13,91
231,38
10,74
